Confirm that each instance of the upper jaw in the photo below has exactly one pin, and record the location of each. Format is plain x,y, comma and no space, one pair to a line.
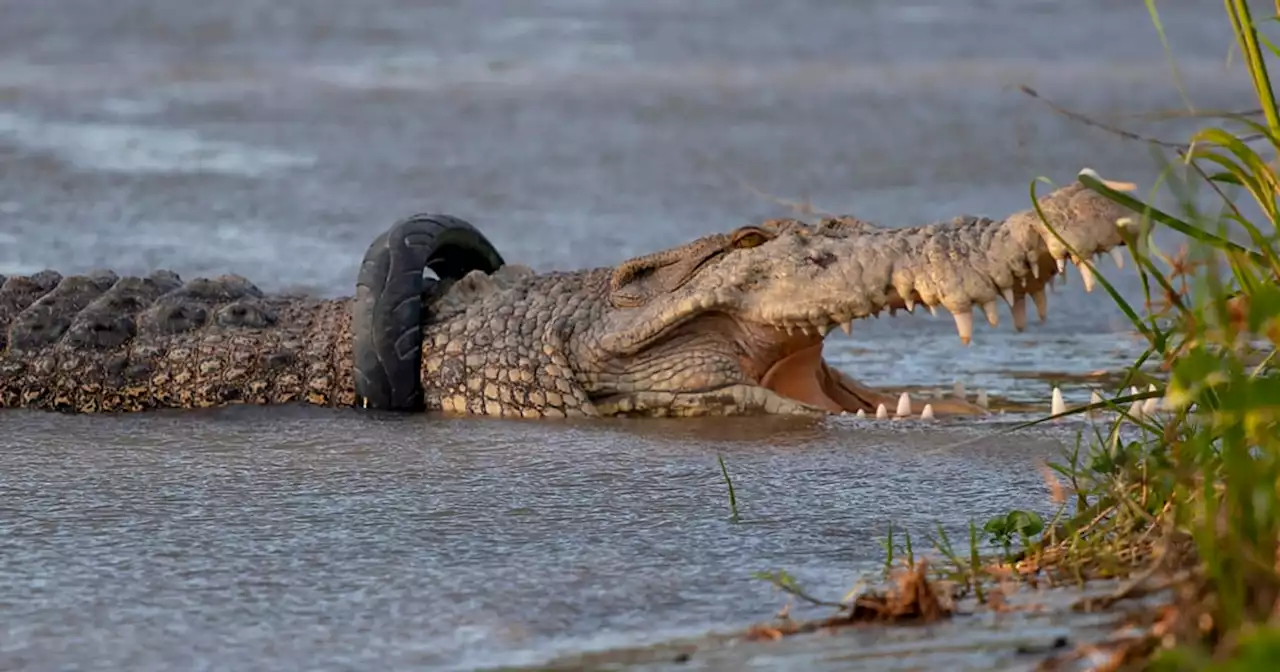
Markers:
959,265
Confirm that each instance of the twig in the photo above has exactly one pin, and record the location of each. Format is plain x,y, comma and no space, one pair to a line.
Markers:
1115,130
794,590
805,209
1187,114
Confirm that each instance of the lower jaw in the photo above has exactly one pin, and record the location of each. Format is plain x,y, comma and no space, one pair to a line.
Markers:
805,377
799,384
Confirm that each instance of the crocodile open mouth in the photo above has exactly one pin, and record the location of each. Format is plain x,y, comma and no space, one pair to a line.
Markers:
804,375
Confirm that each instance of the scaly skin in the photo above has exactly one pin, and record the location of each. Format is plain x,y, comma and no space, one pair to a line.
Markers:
727,324
99,343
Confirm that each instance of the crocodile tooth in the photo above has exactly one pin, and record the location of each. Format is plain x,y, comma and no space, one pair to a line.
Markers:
881,412
1062,266
904,405
1008,295
847,327
1019,312
1094,398
1118,257
983,400
861,413
933,310
805,330
1042,304
993,317
1150,406
964,326
1057,406
957,389
1124,222
1086,275
823,330
927,413
1035,270
910,304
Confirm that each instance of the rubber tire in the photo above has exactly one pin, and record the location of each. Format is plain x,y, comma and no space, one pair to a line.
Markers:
387,316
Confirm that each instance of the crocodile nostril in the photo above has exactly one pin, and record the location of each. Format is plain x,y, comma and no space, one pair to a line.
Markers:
822,259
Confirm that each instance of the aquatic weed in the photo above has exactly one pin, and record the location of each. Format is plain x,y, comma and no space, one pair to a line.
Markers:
733,498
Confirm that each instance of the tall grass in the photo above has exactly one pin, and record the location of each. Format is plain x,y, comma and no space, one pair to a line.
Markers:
1195,488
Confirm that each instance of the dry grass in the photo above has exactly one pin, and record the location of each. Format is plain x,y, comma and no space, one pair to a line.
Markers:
912,597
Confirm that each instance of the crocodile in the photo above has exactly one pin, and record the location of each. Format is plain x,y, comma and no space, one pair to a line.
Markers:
731,323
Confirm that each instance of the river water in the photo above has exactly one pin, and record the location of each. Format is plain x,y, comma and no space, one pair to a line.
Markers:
276,139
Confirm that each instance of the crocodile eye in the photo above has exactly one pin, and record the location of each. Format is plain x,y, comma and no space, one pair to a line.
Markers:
749,237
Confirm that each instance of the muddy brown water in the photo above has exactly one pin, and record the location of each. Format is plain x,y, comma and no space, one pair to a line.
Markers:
276,139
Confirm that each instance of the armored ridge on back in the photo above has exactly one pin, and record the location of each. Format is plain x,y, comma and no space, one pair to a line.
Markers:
731,323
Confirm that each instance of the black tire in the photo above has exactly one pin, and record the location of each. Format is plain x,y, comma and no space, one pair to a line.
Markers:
387,316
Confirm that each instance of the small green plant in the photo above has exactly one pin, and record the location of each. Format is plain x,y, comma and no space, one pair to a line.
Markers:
733,498
1023,525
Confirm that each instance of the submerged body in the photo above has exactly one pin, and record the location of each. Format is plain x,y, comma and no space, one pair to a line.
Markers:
727,324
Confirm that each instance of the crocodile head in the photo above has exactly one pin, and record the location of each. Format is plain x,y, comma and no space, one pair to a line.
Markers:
735,322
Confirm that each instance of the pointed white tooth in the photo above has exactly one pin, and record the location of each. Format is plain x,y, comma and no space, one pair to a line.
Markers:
933,310
910,303
993,316
847,327
1062,265
1135,409
805,330
861,413
964,326
927,413
1117,257
1124,221
1150,406
1086,276
983,401
1019,311
904,405
1035,270
790,329
881,412
1058,406
1007,293
958,390
824,330
1042,304
1094,398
